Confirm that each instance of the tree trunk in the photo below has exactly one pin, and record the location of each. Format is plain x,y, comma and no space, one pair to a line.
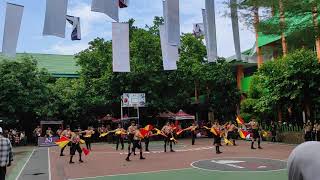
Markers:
307,110
240,75
282,25
316,28
258,49
196,95
279,114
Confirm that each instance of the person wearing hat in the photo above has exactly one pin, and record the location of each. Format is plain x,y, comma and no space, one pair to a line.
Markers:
6,155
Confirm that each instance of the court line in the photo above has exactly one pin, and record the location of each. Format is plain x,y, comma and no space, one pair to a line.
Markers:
153,152
211,170
25,164
49,164
128,174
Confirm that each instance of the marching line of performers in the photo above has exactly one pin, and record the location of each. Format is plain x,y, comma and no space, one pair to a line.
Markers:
169,132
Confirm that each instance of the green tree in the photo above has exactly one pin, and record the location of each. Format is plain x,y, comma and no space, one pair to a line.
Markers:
23,89
289,83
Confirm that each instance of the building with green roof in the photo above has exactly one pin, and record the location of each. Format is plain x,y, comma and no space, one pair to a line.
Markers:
57,65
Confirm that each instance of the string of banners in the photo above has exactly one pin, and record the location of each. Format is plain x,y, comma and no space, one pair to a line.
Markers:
56,17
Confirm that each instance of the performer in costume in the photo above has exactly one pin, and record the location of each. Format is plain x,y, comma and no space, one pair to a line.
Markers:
37,133
131,132
66,133
120,133
49,134
147,140
216,136
231,132
75,146
102,130
193,128
137,138
87,137
168,132
254,126
59,131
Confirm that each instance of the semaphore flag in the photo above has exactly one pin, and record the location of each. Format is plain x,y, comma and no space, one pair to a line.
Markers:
212,37
55,18
198,30
12,25
75,22
240,120
172,21
62,142
235,28
120,47
108,7
243,134
123,3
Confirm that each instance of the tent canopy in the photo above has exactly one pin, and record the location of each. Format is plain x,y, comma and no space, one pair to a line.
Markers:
51,122
181,115
167,115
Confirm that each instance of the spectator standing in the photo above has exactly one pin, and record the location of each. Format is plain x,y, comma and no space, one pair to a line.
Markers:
6,155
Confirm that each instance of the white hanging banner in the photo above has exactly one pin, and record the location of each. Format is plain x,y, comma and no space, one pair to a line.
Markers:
120,47
212,37
170,54
55,18
108,7
11,29
172,22
205,26
235,28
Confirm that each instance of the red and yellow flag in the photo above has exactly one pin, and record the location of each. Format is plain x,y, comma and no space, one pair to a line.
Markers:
215,131
243,134
226,141
85,151
148,127
180,131
62,142
143,132
240,120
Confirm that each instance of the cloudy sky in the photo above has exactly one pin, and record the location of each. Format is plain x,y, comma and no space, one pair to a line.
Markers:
99,25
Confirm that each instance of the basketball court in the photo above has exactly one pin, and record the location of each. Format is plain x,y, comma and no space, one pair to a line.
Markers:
188,162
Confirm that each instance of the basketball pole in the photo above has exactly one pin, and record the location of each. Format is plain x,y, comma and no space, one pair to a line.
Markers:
138,115
121,109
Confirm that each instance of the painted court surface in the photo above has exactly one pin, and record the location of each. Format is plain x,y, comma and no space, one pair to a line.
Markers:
187,163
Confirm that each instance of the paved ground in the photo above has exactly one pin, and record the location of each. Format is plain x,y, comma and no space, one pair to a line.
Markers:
21,155
106,163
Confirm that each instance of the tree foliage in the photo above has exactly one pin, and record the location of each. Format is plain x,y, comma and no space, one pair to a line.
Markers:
288,82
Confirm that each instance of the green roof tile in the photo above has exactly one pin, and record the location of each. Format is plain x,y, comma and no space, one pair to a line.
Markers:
57,65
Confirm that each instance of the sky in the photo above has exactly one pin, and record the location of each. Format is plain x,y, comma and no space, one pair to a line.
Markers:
95,25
